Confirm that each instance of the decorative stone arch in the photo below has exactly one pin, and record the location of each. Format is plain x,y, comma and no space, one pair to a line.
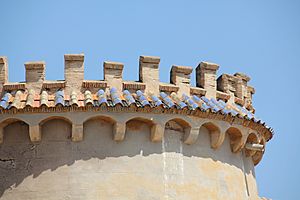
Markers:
252,138
36,131
236,139
7,122
179,124
107,119
147,120
156,129
216,135
49,118
104,117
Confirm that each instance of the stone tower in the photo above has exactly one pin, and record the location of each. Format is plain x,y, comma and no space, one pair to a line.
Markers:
115,139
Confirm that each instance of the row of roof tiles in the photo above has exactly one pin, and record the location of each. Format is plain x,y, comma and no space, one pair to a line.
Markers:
21,100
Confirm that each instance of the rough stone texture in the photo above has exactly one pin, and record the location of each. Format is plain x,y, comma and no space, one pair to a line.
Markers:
206,74
74,72
181,76
242,85
35,75
149,73
236,86
113,74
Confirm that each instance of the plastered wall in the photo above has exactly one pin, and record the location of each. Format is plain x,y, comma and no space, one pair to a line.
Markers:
136,168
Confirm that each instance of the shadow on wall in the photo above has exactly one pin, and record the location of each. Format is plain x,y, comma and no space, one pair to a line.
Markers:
19,158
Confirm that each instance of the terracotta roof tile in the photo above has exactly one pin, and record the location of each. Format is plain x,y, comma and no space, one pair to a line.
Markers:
113,97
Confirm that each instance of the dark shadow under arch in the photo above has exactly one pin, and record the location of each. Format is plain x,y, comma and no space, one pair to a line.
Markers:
178,124
216,137
55,128
98,122
45,120
235,136
8,121
136,124
176,130
15,135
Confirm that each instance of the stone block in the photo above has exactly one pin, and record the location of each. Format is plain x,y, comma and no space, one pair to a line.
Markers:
74,72
206,74
113,74
149,73
35,133
181,76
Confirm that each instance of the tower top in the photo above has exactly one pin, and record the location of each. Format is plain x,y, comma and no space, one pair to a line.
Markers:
226,98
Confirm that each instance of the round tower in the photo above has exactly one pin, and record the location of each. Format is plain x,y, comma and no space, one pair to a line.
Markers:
115,139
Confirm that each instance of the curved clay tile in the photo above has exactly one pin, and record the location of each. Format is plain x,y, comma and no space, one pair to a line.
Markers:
17,100
30,98
217,103
101,97
141,98
88,99
128,97
59,98
115,96
191,103
44,98
180,103
73,98
210,104
167,100
200,102
5,100
156,101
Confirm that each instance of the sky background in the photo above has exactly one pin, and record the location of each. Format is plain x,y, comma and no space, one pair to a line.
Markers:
259,38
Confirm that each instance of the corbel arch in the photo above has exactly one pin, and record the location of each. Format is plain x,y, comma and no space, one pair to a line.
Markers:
181,125
105,118
156,129
48,119
7,122
236,139
100,118
216,135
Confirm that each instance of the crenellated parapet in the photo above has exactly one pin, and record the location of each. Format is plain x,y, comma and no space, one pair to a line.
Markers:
222,105
237,87
233,88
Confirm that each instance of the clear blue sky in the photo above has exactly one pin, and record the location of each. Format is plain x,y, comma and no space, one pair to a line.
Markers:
259,38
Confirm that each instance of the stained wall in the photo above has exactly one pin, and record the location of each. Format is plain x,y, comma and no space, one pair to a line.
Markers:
136,168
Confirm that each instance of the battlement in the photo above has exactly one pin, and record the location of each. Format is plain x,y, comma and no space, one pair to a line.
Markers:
232,88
